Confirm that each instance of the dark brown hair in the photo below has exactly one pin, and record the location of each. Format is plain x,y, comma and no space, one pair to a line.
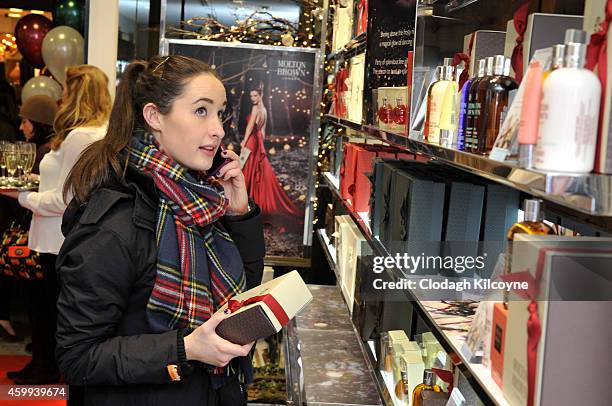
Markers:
160,80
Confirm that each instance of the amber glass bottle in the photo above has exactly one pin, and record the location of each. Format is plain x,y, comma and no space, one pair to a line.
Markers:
532,224
497,93
428,384
478,93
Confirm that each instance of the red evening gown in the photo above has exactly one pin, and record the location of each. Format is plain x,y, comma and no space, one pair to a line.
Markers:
264,188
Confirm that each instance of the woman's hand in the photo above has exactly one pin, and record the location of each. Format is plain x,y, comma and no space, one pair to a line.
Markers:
204,345
232,180
14,195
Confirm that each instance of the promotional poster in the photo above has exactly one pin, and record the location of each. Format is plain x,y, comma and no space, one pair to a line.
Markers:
268,123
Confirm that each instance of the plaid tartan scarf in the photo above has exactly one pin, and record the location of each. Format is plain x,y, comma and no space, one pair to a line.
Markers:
198,265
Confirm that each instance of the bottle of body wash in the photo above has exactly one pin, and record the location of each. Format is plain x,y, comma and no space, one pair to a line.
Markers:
435,104
464,106
569,115
478,93
495,105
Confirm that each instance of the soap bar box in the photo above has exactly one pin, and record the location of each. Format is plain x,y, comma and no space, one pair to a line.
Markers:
264,310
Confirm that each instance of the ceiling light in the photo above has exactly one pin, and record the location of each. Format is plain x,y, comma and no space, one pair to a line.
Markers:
37,12
14,15
15,10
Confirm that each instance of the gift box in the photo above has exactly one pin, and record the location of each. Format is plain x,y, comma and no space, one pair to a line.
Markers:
393,112
355,85
557,328
594,15
343,222
343,25
486,43
352,242
264,310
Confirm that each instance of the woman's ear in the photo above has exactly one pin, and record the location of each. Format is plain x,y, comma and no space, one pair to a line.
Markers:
152,116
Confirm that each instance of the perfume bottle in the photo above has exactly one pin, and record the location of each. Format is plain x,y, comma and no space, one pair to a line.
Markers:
385,112
399,112
435,103
402,391
496,104
533,223
569,116
477,98
428,384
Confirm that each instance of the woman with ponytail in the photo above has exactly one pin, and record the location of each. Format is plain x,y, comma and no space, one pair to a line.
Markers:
155,244
81,119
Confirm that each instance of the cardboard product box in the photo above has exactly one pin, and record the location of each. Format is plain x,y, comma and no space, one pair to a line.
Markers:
355,84
498,342
510,42
343,222
343,24
367,306
417,211
362,191
594,14
396,97
347,172
352,242
546,30
486,43
265,309
574,312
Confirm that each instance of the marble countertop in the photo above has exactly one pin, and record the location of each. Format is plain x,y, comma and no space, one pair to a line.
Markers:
334,370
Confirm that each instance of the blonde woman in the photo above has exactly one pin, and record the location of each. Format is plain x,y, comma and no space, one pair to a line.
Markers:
81,120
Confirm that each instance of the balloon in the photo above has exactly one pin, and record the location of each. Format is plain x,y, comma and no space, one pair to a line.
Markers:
41,85
29,33
70,13
62,47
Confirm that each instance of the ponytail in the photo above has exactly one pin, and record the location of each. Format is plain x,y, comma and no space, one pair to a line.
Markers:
159,81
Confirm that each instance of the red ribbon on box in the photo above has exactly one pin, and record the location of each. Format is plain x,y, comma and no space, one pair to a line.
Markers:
459,57
534,326
520,25
362,11
269,300
341,78
597,52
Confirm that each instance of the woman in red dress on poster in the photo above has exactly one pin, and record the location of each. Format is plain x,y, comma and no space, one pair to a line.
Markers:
261,182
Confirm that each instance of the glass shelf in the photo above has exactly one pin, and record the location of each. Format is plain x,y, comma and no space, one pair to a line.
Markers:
582,194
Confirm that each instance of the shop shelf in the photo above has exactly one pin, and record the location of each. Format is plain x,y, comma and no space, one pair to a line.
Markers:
585,196
354,47
478,375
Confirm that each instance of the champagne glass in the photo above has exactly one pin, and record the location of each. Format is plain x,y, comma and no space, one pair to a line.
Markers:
28,157
11,157
3,179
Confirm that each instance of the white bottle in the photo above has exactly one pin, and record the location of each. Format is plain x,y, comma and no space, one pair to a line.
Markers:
568,116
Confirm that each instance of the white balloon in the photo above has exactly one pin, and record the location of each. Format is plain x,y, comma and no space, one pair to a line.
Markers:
41,85
62,47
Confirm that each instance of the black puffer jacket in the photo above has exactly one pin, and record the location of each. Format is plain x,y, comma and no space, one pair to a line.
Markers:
107,272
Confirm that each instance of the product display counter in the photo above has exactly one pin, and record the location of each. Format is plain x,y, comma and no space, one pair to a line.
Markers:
325,363
451,332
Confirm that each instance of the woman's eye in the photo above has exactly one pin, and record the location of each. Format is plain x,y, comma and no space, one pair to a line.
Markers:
201,112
